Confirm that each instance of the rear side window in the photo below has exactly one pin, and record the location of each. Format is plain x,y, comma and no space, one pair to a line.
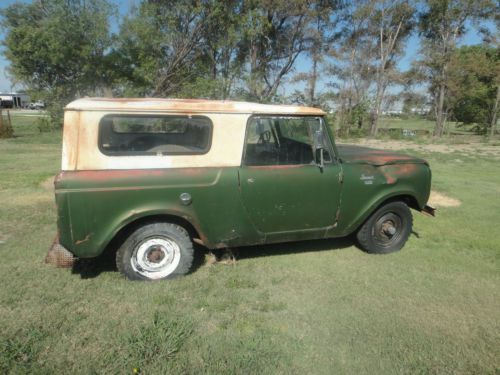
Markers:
154,135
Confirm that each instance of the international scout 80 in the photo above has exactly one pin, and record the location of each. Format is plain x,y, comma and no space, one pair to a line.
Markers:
160,174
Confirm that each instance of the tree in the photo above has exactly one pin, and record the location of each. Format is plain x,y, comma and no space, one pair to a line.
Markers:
414,102
391,24
474,74
442,24
159,47
323,19
351,68
273,37
59,48
373,37
492,40
222,33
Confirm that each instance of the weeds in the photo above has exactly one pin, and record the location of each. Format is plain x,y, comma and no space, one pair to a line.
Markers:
158,341
19,352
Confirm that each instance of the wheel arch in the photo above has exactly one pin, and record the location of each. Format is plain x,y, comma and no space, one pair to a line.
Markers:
127,227
407,197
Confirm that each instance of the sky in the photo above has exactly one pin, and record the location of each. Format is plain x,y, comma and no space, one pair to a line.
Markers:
302,64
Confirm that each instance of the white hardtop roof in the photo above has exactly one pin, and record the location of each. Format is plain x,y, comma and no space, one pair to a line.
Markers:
188,106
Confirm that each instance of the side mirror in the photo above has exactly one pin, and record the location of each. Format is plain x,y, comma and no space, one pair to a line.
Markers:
319,149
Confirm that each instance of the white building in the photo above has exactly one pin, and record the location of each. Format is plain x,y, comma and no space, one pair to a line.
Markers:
14,100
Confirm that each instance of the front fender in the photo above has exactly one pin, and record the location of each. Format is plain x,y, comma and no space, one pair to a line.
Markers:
366,187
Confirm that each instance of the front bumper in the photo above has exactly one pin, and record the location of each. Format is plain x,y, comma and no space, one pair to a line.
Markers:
59,256
428,210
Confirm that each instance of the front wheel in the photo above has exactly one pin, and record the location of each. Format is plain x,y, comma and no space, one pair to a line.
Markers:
156,251
387,229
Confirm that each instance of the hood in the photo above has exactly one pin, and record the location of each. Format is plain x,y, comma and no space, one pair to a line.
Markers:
363,155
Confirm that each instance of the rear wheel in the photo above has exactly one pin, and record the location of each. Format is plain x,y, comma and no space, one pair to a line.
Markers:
156,251
387,229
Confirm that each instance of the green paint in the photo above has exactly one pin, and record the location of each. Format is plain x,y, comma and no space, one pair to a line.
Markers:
239,205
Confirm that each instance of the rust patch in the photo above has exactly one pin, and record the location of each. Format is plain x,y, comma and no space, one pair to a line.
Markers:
79,242
293,166
105,175
199,241
357,154
393,172
187,106
59,256
119,174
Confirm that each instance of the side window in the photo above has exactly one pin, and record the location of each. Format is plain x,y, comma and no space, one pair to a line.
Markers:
262,146
324,140
282,141
154,135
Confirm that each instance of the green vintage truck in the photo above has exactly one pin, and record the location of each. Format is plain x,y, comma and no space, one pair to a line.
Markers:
156,175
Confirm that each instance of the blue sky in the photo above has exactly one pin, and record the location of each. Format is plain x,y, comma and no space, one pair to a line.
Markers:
472,37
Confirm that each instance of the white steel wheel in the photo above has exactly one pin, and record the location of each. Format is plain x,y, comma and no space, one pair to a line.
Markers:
156,258
155,251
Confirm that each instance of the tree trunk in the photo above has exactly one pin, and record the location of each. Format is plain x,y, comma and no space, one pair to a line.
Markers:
376,112
253,71
438,130
494,114
312,82
374,123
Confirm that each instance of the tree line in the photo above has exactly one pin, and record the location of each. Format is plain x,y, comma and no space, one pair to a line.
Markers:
249,49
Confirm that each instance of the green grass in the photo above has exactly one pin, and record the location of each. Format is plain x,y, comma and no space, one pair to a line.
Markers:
414,123
317,307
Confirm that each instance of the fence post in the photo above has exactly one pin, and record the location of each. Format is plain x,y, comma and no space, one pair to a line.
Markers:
1,123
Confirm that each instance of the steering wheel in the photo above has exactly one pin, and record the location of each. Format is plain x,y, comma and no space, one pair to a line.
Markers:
264,137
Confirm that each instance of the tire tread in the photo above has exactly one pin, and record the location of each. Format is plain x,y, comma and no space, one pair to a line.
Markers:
364,235
181,236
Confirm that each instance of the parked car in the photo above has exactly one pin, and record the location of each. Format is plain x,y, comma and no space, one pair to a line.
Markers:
37,105
154,176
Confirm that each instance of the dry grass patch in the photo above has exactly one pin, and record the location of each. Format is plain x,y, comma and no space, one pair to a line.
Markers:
48,184
441,200
225,256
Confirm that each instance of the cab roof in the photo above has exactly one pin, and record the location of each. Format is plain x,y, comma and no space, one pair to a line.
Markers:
188,106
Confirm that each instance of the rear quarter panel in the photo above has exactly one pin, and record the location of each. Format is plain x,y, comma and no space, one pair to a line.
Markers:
94,205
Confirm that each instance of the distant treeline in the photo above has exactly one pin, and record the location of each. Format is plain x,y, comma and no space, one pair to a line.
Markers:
247,50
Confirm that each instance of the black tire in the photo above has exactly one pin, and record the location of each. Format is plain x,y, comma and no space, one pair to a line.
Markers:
156,251
387,229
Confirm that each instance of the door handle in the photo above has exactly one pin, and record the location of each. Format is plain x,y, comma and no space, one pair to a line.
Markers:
250,180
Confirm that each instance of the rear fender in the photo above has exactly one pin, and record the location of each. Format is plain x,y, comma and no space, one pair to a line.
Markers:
93,244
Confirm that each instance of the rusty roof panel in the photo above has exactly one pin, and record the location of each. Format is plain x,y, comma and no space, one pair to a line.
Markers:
188,106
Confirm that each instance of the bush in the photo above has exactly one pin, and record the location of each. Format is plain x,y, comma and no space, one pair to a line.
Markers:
44,125
54,119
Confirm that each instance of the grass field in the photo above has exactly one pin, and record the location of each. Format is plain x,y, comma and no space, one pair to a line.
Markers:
321,307
415,123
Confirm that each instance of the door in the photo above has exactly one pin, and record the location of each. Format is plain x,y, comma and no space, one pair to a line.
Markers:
283,188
